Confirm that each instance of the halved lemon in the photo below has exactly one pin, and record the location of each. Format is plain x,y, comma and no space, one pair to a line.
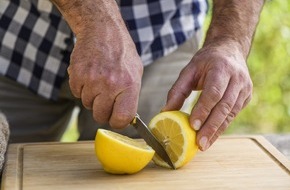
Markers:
119,154
173,130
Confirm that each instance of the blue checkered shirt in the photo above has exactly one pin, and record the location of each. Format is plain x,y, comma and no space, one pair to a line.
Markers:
36,43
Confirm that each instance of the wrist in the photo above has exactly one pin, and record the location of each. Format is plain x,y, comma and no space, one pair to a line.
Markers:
234,21
87,16
229,44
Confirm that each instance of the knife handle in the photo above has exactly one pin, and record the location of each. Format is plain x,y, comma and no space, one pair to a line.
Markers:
134,120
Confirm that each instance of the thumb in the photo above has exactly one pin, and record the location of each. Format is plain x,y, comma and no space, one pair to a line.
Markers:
125,108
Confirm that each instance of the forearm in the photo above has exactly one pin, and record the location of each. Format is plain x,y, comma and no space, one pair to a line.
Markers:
87,16
234,21
105,69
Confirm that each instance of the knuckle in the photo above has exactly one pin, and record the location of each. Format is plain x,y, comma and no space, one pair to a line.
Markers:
171,93
204,111
184,70
119,83
174,92
212,128
87,104
75,89
215,94
227,65
226,108
88,97
245,80
111,82
91,77
231,116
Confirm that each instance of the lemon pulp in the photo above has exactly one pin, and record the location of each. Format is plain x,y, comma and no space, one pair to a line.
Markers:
173,130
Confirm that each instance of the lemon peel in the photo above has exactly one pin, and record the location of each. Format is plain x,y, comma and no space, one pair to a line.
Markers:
119,154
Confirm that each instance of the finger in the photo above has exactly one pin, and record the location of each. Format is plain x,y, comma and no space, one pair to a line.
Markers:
124,109
75,84
240,104
102,108
88,96
214,88
247,101
237,108
180,90
211,134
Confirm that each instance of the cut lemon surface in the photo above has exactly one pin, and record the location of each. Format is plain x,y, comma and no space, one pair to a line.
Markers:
173,130
119,154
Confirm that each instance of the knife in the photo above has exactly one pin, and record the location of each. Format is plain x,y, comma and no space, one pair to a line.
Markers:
151,140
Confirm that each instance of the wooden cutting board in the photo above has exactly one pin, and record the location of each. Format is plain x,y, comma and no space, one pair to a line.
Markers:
231,163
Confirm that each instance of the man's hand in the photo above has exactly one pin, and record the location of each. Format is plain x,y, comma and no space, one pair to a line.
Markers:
219,69
222,75
106,75
105,69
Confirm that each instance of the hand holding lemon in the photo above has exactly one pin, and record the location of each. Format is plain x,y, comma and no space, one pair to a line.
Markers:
119,154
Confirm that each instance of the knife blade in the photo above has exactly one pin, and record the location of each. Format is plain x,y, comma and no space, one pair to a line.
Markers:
151,140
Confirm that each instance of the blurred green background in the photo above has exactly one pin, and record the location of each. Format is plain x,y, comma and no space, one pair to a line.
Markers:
269,65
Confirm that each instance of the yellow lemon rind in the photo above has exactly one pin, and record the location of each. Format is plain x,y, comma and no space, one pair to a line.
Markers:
118,157
188,133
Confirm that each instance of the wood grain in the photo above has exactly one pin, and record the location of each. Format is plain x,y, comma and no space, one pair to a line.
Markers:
231,163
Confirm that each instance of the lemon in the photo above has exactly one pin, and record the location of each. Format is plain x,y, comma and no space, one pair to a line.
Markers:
173,130
120,154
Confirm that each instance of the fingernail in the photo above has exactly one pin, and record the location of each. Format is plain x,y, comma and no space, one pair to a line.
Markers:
196,124
203,143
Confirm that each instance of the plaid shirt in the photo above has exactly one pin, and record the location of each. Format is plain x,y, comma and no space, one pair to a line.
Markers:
36,43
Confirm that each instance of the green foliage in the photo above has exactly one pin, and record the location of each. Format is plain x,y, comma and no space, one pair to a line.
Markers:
269,65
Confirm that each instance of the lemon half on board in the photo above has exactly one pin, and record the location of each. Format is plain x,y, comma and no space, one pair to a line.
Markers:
119,154
173,131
